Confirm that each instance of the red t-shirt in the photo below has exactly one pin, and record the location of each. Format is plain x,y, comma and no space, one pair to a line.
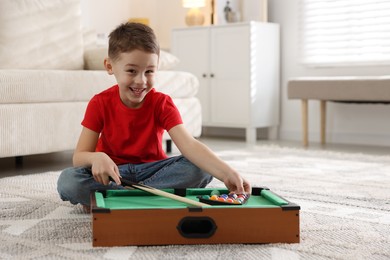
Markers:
131,135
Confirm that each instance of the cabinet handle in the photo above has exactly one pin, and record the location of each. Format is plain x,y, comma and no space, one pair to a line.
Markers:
204,75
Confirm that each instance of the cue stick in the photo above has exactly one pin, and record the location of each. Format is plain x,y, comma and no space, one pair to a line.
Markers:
162,193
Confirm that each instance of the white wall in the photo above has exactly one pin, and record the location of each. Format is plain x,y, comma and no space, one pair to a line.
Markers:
164,15
104,15
346,123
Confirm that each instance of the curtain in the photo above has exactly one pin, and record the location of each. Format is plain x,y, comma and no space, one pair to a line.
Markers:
345,32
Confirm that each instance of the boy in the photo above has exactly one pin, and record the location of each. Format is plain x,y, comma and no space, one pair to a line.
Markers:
123,127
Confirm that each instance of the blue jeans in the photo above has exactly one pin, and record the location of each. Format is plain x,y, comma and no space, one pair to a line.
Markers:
75,184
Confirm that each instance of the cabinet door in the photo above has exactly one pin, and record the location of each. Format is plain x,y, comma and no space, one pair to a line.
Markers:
192,47
230,86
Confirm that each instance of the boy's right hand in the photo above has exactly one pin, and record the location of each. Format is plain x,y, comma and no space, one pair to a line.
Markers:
104,167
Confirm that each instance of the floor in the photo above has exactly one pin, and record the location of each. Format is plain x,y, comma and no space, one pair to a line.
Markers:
58,161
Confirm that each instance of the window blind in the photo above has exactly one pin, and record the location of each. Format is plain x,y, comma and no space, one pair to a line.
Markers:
345,32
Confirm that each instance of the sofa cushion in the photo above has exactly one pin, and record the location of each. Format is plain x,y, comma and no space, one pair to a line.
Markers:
41,86
40,34
94,58
177,84
167,61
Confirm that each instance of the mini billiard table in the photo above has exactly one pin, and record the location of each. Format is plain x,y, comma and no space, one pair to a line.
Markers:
135,217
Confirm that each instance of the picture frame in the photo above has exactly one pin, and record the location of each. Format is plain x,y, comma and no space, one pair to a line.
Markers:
226,11
231,11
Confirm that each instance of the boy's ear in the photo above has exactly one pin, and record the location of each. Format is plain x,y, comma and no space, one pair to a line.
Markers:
108,65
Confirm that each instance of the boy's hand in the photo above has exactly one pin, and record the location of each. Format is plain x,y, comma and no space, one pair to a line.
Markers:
104,167
238,185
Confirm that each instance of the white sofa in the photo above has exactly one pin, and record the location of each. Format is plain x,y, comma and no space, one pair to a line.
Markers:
49,72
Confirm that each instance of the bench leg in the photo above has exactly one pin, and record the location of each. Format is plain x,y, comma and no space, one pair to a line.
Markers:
305,125
323,121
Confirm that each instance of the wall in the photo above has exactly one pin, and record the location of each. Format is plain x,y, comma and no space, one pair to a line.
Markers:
104,15
346,123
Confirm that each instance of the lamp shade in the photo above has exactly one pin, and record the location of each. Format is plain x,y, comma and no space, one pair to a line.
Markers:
194,3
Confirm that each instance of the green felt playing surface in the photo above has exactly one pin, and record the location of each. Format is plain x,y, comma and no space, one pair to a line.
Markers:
136,199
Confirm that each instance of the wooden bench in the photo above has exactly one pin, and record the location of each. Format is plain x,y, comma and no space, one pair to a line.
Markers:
375,89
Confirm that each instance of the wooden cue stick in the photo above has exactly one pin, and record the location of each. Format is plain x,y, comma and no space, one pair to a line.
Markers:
171,196
163,193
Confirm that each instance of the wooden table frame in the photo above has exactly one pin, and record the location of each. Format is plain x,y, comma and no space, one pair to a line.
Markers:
195,225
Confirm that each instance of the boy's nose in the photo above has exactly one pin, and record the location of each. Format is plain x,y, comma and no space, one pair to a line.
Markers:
140,79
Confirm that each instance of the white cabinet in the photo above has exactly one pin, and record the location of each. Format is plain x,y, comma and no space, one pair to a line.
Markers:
238,69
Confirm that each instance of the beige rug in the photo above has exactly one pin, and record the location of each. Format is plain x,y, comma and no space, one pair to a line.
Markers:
344,199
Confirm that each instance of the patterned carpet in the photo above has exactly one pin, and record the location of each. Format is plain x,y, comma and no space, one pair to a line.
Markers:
344,199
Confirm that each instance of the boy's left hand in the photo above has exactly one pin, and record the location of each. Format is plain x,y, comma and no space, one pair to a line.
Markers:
238,186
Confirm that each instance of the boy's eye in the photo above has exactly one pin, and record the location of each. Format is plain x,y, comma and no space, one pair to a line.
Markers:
132,71
149,71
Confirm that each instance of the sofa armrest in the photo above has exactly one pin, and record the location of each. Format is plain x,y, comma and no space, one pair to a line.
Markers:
94,58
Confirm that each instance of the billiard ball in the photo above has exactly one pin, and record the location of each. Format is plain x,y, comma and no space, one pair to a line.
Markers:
240,199
221,199
215,192
214,197
233,195
225,196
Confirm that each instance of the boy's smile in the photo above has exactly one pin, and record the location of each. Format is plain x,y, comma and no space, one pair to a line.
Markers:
134,72
137,91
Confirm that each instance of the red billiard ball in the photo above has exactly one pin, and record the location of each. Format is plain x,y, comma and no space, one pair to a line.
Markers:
222,199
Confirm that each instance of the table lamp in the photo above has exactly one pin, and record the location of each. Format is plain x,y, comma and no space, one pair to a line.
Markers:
139,20
194,15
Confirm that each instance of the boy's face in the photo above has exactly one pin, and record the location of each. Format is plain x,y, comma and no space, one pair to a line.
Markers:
134,73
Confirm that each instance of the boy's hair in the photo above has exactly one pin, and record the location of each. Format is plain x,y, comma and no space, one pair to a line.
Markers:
132,36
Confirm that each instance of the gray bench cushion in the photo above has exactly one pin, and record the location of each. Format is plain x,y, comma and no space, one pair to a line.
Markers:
362,89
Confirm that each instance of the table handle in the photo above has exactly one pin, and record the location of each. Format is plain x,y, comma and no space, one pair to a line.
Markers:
197,227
